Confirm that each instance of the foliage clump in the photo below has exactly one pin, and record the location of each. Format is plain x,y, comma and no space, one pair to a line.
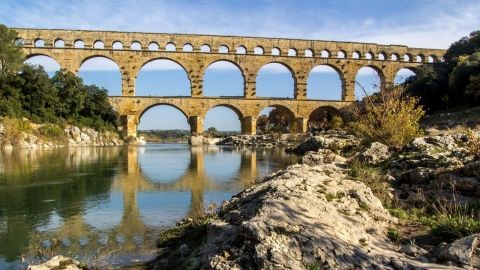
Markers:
453,82
390,117
27,91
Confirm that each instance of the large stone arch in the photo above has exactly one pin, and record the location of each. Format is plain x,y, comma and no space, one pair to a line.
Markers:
222,59
337,69
139,68
326,112
236,110
292,116
286,65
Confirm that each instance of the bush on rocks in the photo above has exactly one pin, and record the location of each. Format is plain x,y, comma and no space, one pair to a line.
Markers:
389,117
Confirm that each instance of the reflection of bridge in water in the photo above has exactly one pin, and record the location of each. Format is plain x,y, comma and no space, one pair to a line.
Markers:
132,229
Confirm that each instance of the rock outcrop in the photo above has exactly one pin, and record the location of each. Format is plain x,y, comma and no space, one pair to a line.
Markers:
329,140
303,217
198,140
265,140
57,263
439,165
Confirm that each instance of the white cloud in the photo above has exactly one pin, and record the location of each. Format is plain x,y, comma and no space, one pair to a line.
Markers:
368,22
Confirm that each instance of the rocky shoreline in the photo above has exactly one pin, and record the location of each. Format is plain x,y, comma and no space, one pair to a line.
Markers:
318,215
70,136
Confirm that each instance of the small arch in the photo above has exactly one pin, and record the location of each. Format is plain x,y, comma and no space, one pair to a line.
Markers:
277,118
117,45
223,117
292,52
420,58
325,54
394,57
79,44
356,55
325,82
308,53
241,50
341,54
98,44
258,50
187,47
432,59
223,78
59,43
407,57
19,41
205,48
153,46
49,64
403,74
275,51
39,43
223,49
275,80
170,47
369,55
136,46
382,56
321,118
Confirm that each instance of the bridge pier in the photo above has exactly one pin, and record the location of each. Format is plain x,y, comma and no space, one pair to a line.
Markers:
129,125
196,124
300,125
249,125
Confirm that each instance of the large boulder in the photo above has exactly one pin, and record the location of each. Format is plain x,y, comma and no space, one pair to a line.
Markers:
374,154
303,217
461,251
57,263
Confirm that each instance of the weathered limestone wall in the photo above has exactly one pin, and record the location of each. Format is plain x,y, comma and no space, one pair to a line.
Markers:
299,56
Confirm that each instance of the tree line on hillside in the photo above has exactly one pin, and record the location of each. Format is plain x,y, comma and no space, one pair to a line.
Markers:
452,83
27,91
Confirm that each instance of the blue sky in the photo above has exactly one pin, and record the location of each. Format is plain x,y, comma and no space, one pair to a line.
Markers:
428,23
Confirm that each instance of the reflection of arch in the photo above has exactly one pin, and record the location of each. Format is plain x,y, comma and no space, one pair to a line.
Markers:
340,77
291,90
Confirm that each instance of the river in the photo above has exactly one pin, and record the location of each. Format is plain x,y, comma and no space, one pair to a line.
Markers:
108,204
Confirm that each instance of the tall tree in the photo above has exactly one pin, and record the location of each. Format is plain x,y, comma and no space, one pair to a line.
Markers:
11,57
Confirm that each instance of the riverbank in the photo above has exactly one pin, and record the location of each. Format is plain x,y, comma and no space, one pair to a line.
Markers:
346,205
22,133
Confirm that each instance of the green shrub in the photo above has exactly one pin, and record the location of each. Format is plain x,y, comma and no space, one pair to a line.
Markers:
14,128
389,117
473,144
336,122
51,132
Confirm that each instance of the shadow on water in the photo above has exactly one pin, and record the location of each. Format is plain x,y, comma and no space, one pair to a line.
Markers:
116,198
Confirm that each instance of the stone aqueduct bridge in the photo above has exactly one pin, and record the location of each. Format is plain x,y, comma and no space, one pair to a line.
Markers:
71,48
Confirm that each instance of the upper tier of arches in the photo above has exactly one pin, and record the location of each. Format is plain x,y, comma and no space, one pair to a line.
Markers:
103,40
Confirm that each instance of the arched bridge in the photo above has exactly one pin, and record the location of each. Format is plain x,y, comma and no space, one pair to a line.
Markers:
132,50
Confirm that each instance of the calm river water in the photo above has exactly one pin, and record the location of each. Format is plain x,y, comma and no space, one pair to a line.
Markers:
113,201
